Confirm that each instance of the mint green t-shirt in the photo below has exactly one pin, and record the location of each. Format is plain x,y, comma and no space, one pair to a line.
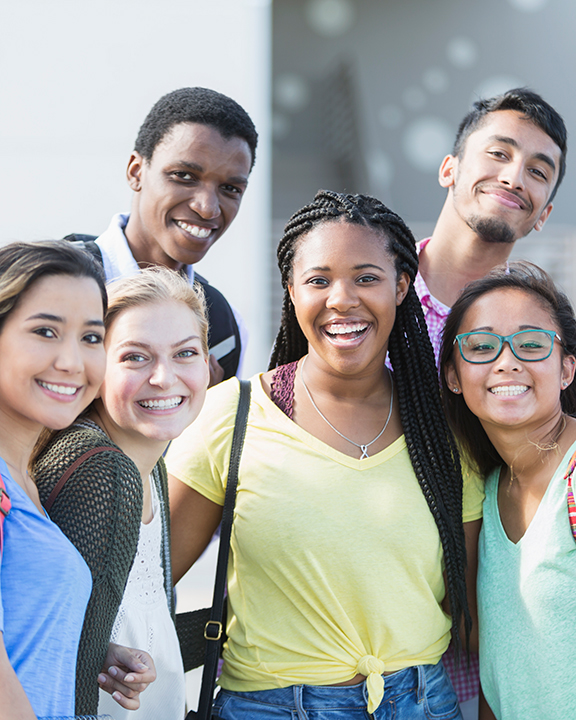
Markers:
527,609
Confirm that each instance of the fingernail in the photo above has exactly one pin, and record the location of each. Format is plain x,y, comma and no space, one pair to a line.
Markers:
113,671
129,678
141,666
117,696
102,679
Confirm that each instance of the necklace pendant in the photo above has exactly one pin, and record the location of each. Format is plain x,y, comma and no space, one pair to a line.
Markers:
364,448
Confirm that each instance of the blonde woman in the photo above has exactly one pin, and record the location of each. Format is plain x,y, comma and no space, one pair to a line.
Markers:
114,504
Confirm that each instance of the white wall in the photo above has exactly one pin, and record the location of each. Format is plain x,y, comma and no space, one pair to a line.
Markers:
77,79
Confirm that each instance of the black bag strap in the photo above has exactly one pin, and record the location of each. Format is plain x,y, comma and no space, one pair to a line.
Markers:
223,328
214,629
87,242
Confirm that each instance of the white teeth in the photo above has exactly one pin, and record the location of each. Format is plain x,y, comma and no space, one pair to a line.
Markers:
161,404
60,389
509,390
195,230
341,329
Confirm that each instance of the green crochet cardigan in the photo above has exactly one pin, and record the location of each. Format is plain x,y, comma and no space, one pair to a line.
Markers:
100,510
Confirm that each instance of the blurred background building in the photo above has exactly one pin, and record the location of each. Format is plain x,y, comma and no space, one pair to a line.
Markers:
355,95
367,96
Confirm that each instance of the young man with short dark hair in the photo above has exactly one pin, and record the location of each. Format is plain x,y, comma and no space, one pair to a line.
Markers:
508,160
189,170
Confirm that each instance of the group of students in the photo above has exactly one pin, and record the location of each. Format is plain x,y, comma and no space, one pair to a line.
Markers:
372,500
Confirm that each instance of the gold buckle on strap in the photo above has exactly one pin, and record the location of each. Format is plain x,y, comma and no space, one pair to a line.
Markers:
217,630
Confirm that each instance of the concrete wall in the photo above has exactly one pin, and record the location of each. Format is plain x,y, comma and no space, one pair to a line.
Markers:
76,80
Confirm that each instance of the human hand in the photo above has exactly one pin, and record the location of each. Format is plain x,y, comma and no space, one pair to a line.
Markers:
127,672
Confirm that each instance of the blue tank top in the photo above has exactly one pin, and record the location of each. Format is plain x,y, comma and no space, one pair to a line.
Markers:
44,589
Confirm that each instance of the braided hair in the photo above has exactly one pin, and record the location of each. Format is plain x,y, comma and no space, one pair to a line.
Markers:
430,443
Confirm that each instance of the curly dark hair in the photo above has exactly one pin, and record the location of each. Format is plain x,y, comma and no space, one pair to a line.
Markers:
531,279
195,105
430,443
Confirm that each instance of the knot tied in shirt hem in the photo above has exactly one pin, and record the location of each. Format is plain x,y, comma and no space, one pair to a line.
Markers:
372,668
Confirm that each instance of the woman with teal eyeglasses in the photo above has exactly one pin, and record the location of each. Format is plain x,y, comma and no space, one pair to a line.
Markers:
507,368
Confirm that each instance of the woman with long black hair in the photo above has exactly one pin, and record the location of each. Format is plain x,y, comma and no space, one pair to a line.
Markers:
348,540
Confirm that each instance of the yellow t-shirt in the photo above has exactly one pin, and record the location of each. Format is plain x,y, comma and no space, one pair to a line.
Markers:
336,563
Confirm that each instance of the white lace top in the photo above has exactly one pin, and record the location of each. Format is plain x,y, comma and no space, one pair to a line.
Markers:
144,622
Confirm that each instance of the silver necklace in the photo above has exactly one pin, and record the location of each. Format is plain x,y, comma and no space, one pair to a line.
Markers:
363,448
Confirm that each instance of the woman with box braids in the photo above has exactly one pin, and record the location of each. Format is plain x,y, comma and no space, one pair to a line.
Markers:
430,442
350,504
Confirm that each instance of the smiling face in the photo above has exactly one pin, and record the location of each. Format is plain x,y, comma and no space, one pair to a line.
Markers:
345,294
52,356
157,373
508,392
187,195
502,182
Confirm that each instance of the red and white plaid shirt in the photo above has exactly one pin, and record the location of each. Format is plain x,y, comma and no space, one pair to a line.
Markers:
435,312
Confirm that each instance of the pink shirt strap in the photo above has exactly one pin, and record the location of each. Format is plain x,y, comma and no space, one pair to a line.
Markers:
5,505
570,496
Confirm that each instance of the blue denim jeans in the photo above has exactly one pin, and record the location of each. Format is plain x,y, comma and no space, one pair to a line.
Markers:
423,692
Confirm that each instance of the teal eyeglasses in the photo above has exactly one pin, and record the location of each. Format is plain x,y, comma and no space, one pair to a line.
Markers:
527,345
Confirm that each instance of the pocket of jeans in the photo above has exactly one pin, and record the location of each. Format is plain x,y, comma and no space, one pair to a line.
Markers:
218,705
440,701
